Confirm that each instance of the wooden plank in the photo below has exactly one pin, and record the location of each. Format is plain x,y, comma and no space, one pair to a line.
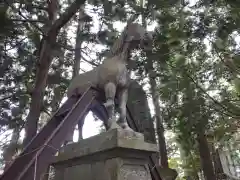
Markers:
33,161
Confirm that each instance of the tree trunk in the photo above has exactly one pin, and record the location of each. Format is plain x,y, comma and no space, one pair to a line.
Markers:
11,149
57,97
159,122
186,160
205,156
42,71
155,97
43,68
138,106
76,65
218,169
78,44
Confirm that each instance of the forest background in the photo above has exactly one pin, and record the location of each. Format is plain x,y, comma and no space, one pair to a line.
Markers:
190,80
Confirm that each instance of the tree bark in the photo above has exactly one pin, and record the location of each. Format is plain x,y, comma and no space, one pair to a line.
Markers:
78,45
186,160
138,106
155,97
159,122
205,156
159,125
77,60
218,169
43,68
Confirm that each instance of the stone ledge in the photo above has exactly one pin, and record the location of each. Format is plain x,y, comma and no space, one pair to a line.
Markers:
123,140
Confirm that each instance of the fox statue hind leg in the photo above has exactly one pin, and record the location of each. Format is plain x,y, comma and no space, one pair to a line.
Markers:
122,98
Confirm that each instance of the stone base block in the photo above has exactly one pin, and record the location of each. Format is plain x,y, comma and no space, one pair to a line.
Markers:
112,155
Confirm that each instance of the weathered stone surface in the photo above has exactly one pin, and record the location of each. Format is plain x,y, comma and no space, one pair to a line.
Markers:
113,155
134,172
115,138
82,171
111,166
98,171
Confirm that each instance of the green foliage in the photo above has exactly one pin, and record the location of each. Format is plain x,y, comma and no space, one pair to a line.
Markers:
193,78
195,57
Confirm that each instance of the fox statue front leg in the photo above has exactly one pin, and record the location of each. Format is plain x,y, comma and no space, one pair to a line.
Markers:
110,92
122,98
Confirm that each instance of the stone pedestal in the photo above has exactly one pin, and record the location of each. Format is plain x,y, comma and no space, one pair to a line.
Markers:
113,155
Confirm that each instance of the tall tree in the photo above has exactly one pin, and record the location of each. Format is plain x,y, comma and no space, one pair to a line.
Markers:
77,56
138,106
193,68
44,63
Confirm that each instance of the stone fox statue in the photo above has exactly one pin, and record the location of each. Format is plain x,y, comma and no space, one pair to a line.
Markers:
112,75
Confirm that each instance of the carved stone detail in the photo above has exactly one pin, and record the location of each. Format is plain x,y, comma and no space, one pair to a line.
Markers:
112,155
134,172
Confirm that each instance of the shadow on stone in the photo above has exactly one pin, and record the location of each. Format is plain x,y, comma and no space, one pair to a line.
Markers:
167,173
